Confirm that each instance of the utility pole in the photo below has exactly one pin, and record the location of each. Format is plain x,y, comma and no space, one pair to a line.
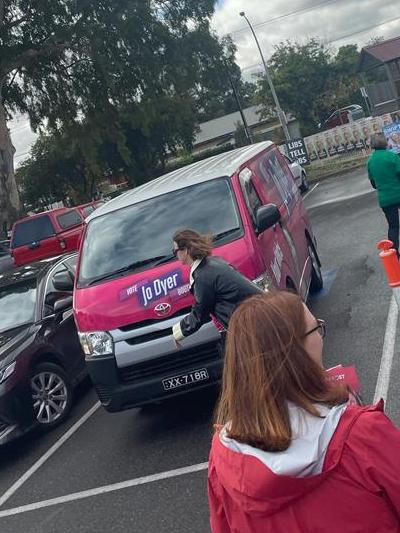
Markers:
246,127
279,111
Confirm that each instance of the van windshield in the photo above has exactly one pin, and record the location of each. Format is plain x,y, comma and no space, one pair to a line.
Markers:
140,235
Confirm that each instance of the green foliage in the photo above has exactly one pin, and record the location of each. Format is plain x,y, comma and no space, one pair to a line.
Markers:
311,81
240,136
114,84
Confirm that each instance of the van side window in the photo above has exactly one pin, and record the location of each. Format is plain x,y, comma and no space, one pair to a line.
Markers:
67,220
275,175
250,194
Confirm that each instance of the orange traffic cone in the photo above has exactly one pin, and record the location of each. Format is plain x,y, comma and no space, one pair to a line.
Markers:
391,265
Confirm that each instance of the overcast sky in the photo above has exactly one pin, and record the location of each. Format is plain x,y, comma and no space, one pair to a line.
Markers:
337,21
333,21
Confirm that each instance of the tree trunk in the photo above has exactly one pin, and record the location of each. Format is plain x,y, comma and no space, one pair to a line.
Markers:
9,197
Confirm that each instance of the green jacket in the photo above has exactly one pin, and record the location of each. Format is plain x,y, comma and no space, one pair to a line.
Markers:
384,174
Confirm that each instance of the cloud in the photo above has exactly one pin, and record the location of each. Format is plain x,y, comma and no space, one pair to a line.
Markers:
333,21
22,137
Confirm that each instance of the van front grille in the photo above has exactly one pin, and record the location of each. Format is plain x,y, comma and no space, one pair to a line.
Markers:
3,426
171,364
148,337
104,393
151,321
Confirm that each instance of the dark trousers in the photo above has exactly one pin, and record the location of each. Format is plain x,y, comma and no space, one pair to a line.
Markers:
392,217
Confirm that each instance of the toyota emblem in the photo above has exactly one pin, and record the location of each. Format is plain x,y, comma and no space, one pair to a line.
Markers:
163,309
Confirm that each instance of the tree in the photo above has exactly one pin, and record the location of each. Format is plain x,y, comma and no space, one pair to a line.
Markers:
311,81
299,73
344,79
375,40
66,62
218,98
240,135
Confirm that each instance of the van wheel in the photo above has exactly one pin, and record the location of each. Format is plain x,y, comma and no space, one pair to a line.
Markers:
51,394
304,183
317,281
290,286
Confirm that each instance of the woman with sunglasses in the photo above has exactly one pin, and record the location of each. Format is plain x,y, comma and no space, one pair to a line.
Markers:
292,452
217,287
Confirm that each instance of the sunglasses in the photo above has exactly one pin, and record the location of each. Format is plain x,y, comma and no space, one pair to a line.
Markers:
320,327
175,251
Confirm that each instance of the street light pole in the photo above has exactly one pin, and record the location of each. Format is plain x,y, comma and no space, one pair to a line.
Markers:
280,113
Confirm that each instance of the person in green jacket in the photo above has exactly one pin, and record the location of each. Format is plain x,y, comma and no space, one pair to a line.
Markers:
384,174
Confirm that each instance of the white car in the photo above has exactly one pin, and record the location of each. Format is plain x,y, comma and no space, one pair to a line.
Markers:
299,174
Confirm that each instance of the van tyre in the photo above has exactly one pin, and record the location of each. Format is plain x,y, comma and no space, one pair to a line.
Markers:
51,394
317,281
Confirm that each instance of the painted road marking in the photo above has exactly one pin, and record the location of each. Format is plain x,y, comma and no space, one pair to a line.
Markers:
51,451
340,199
310,191
389,343
104,490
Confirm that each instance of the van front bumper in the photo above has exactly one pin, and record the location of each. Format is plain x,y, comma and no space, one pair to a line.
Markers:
140,384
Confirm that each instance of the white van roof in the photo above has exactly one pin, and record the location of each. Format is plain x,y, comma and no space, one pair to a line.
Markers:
208,169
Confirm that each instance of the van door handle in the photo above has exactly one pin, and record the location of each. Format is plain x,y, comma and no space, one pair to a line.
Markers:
34,245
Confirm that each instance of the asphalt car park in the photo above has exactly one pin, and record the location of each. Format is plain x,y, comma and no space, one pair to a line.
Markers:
145,469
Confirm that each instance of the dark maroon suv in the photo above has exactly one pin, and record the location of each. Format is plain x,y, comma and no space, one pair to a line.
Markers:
40,355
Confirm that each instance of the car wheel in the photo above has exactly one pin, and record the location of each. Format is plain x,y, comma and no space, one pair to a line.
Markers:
304,183
317,281
51,394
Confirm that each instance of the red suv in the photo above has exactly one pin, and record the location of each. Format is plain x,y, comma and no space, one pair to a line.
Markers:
46,235
87,209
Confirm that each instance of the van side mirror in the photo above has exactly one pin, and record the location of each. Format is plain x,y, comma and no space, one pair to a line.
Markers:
267,216
62,304
63,282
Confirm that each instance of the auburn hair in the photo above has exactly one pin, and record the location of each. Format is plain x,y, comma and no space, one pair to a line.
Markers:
266,366
198,246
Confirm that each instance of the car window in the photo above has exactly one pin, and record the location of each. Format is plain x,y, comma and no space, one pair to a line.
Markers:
71,263
69,219
88,210
279,184
17,303
142,232
250,194
32,230
52,294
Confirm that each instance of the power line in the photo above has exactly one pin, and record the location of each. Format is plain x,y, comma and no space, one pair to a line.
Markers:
286,15
340,38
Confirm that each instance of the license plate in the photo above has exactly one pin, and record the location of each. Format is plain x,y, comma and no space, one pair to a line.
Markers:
185,379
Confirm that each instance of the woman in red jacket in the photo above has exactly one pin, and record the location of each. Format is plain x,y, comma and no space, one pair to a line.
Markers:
293,453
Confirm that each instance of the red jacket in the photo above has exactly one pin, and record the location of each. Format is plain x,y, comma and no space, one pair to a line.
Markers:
357,489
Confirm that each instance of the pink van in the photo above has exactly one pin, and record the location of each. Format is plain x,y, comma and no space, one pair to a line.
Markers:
130,290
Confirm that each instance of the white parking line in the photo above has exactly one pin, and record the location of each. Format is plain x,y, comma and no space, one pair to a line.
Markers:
341,199
51,451
382,383
104,490
310,191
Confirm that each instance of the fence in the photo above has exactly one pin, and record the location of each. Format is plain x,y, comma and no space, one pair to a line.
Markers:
349,141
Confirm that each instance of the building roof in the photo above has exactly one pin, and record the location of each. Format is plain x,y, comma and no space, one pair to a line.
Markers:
376,54
219,127
208,169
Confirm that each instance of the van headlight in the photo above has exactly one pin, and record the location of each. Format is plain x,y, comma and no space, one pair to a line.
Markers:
96,343
7,371
264,282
